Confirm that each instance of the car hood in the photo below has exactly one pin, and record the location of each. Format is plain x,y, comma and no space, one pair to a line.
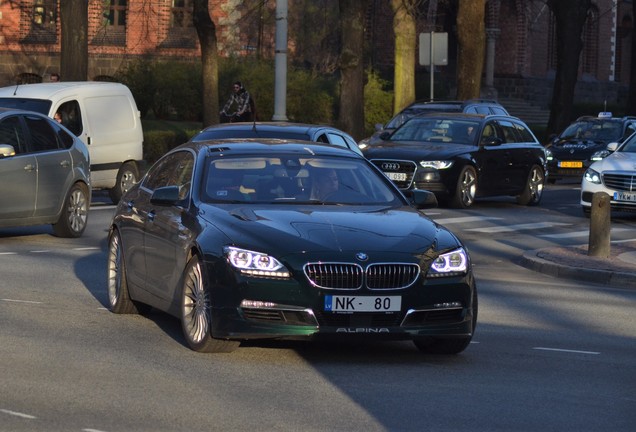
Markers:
410,149
307,229
617,161
566,147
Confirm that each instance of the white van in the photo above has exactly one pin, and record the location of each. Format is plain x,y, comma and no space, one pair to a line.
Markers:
102,114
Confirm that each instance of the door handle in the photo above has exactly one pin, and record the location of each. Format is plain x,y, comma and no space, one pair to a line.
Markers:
65,164
29,167
151,216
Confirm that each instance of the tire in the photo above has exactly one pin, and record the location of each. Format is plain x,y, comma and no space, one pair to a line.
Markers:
196,312
448,346
119,300
127,176
533,190
74,215
466,189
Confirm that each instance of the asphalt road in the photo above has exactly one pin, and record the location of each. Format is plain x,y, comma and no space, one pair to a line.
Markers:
549,354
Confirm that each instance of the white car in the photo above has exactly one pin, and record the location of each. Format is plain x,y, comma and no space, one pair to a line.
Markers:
615,174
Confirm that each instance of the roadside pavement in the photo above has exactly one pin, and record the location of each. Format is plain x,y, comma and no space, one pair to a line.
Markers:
618,271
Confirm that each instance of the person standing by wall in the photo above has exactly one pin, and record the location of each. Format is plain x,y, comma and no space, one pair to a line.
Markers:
55,77
238,107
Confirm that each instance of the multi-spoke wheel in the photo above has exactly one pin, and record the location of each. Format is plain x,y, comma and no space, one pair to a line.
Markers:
118,296
196,312
533,191
74,216
126,177
466,188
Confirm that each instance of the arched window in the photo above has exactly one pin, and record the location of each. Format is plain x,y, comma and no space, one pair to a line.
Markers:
589,57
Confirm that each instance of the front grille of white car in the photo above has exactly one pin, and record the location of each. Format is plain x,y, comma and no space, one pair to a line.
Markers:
623,181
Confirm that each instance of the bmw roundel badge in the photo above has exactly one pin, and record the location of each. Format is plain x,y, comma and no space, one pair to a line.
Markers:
361,256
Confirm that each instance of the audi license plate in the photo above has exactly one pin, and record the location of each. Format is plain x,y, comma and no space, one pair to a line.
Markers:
396,176
570,164
362,303
625,196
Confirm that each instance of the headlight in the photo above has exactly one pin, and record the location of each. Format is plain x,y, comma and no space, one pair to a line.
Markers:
450,264
548,155
592,176
440,164
255,263
601,154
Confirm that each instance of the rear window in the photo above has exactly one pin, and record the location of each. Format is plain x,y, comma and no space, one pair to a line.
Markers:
42,106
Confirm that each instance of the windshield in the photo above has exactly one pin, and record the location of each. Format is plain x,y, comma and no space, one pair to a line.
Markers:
298,180
408,113
437,130
38,105
593,130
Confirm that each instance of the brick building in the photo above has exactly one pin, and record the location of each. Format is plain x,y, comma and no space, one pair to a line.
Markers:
520,37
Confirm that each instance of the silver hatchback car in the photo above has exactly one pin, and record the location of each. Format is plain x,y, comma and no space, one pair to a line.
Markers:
45,173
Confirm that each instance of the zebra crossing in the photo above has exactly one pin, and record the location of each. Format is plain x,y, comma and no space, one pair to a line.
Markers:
497,225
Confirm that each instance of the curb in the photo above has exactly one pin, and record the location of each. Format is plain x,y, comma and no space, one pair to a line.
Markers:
616,279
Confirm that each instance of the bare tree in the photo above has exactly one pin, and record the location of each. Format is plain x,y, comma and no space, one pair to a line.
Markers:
74,35
404,13
471,38
351,113
206,32
570,17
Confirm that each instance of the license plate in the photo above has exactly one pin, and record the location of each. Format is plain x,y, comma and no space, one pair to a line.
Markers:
362,303
396,176
624,196
570,164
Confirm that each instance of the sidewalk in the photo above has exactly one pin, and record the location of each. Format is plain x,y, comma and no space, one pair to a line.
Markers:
618,271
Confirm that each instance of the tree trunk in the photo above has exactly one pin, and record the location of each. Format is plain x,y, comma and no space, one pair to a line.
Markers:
206,32
351,113
405,44
74,40
471,38
570,17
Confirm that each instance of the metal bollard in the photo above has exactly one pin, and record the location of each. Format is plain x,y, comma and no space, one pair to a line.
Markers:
600,226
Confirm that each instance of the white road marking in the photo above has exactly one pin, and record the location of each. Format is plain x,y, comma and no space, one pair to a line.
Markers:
20,301
8,253
17,414
106,207
40,251
584,233
92,430
566,350
519,227
85,248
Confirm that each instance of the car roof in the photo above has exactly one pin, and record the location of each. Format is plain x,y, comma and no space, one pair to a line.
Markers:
270,126
268,146
46,90
464,116
456,103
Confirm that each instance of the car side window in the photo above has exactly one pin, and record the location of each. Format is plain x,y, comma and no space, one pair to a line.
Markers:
11,133
630,129
336,139
322,138
481,109
43,137
498,111
71,116
471,110
524,133
509,133
173,170
488,133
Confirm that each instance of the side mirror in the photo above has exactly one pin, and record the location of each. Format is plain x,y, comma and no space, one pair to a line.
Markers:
423,199
612,146
385,135
165,196
6,150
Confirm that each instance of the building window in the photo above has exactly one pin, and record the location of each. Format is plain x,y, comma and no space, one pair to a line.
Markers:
115,13
181,32
181,14
43,22
589,59
113,28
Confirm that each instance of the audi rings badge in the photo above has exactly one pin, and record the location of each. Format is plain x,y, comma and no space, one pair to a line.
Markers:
390,166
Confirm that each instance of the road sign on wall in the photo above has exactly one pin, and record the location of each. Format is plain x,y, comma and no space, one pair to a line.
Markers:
439,49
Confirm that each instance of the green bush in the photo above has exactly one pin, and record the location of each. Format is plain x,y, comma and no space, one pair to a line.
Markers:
378,102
